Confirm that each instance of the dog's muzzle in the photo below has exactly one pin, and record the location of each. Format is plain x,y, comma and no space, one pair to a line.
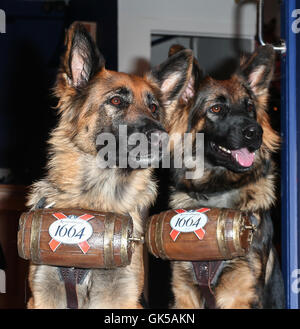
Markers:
149,151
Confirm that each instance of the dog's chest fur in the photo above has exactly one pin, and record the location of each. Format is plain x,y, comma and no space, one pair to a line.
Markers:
84,185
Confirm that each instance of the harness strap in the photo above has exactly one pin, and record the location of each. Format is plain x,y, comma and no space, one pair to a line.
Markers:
207,273
72,276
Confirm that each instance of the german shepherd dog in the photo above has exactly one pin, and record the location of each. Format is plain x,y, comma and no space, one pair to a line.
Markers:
238,174
92,100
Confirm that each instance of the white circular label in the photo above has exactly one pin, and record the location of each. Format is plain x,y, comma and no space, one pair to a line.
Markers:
70,230
188,221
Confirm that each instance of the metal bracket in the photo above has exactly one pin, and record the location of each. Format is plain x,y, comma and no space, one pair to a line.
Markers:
260,9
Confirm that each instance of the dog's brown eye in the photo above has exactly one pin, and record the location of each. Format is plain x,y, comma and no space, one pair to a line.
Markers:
153,108
115,100
216,108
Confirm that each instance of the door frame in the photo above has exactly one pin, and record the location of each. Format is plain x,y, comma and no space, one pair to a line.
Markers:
290,156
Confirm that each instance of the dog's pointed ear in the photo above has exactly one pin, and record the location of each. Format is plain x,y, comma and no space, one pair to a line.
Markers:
259,68
82,59
173,76
175,49
195,77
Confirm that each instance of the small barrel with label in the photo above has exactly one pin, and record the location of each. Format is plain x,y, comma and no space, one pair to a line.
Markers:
75,238
200,234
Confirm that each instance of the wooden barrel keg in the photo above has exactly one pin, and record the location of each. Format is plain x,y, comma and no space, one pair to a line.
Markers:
200,235
75,238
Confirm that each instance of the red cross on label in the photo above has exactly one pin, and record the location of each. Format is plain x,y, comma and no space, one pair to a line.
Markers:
190,221
70,230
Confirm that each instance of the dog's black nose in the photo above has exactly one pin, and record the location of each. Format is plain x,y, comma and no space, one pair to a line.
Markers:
252,132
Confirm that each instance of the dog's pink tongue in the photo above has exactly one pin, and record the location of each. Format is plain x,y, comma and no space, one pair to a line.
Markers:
243,157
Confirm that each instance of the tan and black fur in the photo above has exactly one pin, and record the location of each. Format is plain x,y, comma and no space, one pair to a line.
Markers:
231,114
93,100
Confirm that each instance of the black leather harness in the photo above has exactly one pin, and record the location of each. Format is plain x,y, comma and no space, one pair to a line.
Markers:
207,274
72,276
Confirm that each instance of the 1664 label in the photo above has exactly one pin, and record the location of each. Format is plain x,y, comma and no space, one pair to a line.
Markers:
189,221
71,230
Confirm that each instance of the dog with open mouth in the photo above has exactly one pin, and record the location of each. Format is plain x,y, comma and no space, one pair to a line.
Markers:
238,173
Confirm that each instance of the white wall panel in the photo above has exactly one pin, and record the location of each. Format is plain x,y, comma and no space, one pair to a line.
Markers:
137,19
